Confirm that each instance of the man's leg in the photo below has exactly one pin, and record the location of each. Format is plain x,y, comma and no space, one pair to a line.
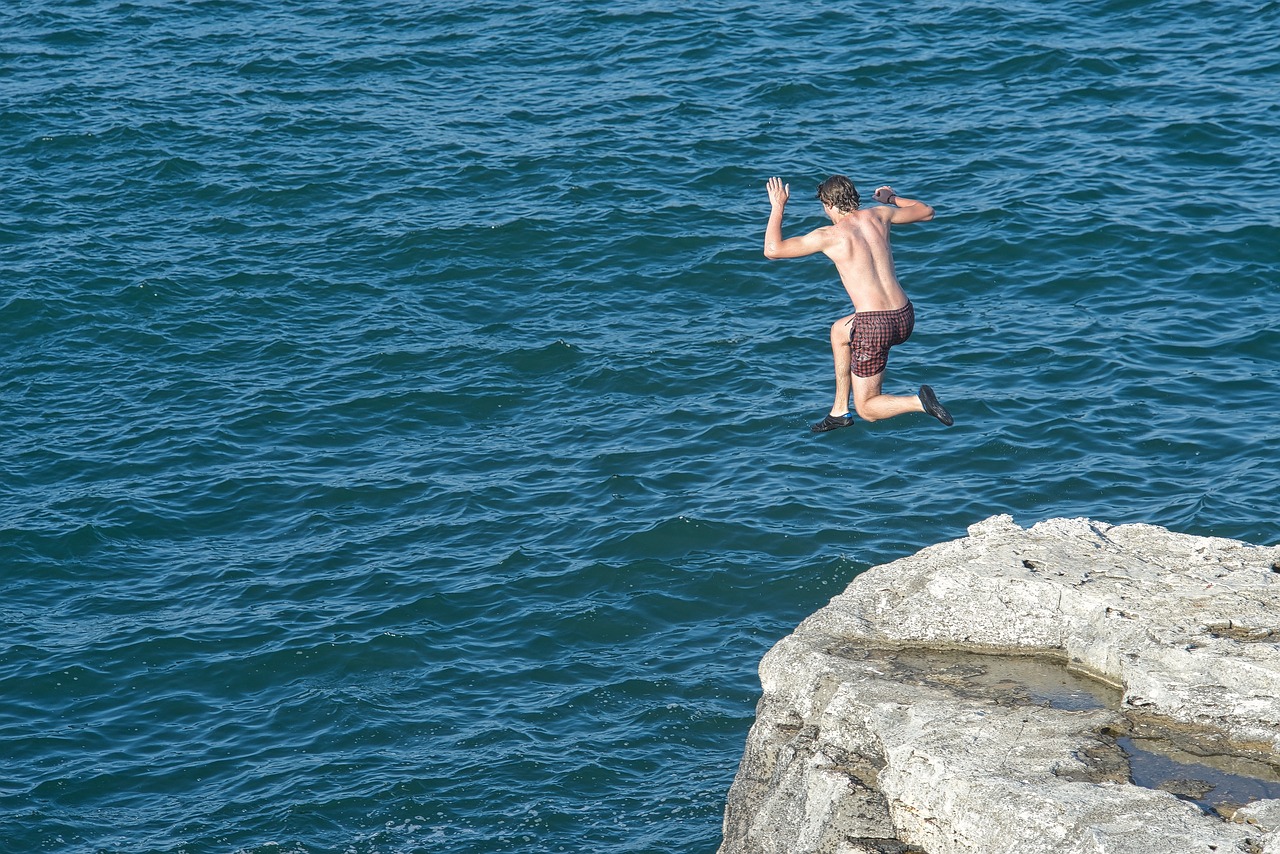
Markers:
842,355
874,406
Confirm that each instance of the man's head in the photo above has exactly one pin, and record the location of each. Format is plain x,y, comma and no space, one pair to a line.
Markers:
838,192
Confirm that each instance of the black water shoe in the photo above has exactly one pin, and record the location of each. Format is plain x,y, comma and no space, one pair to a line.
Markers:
831,422
931,406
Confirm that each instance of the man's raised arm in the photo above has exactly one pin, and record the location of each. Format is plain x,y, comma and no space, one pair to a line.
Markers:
908,210
774,245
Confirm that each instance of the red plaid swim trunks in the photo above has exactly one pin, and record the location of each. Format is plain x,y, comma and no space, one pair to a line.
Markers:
872,333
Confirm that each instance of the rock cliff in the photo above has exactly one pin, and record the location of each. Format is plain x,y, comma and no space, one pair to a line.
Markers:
1072,687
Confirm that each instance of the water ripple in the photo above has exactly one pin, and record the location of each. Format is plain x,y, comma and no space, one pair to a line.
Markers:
406,445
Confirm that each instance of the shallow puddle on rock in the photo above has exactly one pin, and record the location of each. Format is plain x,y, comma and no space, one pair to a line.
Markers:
1025,679
1220,782
1048,682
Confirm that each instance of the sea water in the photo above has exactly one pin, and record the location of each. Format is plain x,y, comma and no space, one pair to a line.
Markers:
405,442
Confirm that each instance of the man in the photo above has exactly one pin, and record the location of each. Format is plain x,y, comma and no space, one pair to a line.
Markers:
857,241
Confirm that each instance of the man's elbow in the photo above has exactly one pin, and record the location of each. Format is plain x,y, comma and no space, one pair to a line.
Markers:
928,213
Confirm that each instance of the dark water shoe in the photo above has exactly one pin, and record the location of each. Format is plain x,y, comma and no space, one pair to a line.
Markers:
831,422
933,407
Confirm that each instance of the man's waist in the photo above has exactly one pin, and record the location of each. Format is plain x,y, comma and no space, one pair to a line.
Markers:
901,308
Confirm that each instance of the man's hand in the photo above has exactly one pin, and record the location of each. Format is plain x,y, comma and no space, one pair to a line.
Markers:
778,192
774,245
885,195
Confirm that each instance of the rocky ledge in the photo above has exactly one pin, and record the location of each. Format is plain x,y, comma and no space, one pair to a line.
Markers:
1072,687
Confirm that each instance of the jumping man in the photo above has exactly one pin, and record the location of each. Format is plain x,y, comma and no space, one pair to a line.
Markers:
857,242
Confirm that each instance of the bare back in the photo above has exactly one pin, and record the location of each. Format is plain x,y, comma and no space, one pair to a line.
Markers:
859,247
857,242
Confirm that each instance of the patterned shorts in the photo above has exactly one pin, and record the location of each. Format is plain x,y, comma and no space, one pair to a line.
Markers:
872,333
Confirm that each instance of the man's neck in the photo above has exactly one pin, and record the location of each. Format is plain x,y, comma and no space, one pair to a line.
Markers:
838,216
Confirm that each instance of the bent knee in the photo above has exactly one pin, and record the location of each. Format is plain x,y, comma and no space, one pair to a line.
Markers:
865,413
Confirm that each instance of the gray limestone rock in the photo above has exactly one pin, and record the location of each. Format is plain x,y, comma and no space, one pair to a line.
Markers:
1072,687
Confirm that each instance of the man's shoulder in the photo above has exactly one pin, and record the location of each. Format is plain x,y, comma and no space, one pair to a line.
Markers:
824,233
883,213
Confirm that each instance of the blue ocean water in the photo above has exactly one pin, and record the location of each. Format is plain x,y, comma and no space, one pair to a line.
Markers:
405,442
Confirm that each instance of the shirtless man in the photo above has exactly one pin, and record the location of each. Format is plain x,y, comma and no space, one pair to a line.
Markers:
857,241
